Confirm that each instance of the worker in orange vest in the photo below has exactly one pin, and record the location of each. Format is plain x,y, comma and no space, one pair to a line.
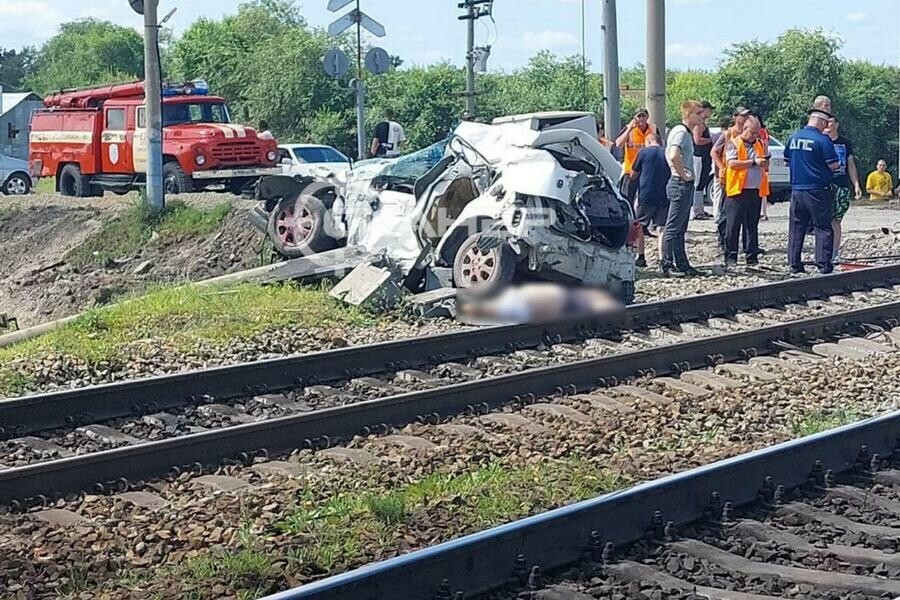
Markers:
746,183
632,138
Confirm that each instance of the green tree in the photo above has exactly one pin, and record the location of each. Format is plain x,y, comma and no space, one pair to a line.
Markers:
87,52
867,108
14,67
780,80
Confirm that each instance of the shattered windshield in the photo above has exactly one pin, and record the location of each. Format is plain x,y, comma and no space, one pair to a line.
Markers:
412,166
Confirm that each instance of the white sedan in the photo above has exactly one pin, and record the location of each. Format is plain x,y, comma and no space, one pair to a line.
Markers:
306,160
14,176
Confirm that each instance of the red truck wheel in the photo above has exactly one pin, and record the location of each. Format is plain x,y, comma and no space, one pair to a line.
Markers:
297,227
175,181
72,183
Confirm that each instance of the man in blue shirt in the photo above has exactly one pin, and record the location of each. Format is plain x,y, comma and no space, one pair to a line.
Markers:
812,160
651,169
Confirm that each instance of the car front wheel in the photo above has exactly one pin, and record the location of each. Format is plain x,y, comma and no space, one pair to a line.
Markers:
484,262
18,184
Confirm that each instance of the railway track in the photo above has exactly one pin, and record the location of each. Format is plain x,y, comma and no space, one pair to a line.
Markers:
812,518
119,455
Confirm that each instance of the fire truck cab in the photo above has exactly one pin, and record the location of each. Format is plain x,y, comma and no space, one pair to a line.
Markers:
95,139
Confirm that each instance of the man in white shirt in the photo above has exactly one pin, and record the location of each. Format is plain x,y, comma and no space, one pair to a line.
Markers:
389,135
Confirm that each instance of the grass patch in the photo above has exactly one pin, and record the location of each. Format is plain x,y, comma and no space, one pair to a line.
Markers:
333,531
184,316
45,185
129,231
13,383
389,509
813,422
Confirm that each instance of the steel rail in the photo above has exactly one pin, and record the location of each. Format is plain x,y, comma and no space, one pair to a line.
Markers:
321,428
484,561
31,414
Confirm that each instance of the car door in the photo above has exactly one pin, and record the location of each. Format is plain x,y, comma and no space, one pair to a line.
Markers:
115,153
4,172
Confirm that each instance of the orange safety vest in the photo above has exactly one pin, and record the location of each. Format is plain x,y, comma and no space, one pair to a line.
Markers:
735,178
636,140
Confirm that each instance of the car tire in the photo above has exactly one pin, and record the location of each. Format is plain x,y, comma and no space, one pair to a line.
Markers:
73,184
17,184
484,262
175,181
297,227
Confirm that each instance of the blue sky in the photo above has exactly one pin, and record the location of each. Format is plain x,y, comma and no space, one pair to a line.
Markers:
426,31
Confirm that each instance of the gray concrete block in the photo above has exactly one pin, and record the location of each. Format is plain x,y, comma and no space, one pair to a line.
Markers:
368,286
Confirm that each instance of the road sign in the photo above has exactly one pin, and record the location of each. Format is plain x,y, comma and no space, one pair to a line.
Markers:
353,17
336,63
371,25
341,25
378,61
336,5
137,5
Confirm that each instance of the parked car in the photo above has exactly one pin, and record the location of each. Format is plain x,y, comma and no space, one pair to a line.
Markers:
304,159
779,175
14,176
523,197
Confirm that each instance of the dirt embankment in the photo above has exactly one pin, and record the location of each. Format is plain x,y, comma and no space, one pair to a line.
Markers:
39,282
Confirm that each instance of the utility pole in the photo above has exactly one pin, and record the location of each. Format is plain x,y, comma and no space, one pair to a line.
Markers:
656,63
612,115
153,96
360,92
475,9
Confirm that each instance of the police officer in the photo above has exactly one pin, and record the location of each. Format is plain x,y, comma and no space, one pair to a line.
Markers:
812,160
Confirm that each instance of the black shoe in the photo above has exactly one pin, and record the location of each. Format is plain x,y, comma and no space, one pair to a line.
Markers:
665,269
689,272
761,252
640,262
796,271
730,263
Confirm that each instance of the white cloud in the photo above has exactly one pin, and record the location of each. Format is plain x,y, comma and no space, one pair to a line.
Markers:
856,17
28,21
681,50
548,40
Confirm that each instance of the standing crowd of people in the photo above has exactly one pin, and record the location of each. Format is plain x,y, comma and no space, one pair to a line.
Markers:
668,182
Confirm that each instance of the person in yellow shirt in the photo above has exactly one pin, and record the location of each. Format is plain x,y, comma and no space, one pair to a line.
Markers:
879,184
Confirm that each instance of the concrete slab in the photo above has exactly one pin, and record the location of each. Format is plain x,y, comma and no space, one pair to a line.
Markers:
280,468
409,442
369,286
641,395
739,370
60,517
776,363
224,411
830,350
222,483
711,380
602,402
42,446
683,386
559,411
513,421
866,345
108,435
162,420
434,304
349,455
466,431
146,500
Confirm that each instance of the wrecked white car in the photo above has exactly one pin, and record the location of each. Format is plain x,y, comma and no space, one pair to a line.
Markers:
526,196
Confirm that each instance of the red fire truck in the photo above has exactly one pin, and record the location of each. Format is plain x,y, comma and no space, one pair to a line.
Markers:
95,139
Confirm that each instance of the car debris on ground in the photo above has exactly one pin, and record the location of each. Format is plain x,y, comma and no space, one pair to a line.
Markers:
526,197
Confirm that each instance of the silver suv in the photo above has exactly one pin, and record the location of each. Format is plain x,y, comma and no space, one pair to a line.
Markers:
14,177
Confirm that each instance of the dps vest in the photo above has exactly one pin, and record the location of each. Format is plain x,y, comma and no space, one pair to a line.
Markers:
637,139
735,178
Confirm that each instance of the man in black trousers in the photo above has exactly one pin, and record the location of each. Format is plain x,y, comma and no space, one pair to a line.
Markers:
813,160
